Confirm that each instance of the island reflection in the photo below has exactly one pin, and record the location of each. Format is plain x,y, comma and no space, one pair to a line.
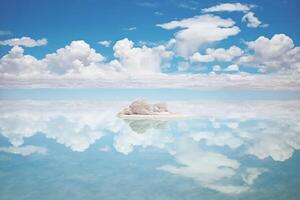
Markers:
198,147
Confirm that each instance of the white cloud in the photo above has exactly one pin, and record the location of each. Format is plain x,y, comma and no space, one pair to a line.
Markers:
197,57
24,150
216,68
79,65
130,28
105,43
273,55
214,138
76,125
24,41
232,68
199,30
127,140
207,168
252,21
73,57
252,174
142,60
219,54
228,7
16,63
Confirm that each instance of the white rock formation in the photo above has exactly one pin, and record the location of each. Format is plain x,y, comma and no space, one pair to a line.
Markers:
142,107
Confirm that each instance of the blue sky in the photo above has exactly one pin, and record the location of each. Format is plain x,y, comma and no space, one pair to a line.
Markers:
146,23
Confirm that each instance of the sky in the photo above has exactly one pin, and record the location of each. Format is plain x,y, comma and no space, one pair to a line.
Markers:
203,45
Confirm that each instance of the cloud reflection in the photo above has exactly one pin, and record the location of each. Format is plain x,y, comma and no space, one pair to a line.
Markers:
269,129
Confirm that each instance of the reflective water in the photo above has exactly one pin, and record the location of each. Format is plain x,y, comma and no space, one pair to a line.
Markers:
81,150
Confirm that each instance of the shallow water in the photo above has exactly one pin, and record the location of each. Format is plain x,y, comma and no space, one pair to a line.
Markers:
81,150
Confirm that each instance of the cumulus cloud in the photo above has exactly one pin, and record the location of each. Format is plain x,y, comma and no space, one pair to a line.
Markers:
79,65
219,54
272,55
105,43
252,21
24,41
141,60
16,63
72,57
232,68
199,30
197,57
228,7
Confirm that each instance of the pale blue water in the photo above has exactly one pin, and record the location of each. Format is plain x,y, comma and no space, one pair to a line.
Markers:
79,149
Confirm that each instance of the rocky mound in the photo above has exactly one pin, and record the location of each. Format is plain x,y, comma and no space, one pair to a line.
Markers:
142,107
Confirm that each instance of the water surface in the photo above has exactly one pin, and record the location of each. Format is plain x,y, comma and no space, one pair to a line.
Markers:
79,149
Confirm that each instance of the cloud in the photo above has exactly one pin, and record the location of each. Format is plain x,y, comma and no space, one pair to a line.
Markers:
79,65
130,28
246,127
214,138
73,57
24,41
73,124
16,63
187,6
277,54
158,13
252,174
232,68
127,140
216,68
24,150
252,21
199,30
197,57
2,32
219,54
142,60
105,43
207,168
228,7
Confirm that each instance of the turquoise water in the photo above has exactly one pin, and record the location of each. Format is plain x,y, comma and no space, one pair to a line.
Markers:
79,149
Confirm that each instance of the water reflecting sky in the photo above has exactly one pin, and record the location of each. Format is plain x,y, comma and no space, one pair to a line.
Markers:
234,149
